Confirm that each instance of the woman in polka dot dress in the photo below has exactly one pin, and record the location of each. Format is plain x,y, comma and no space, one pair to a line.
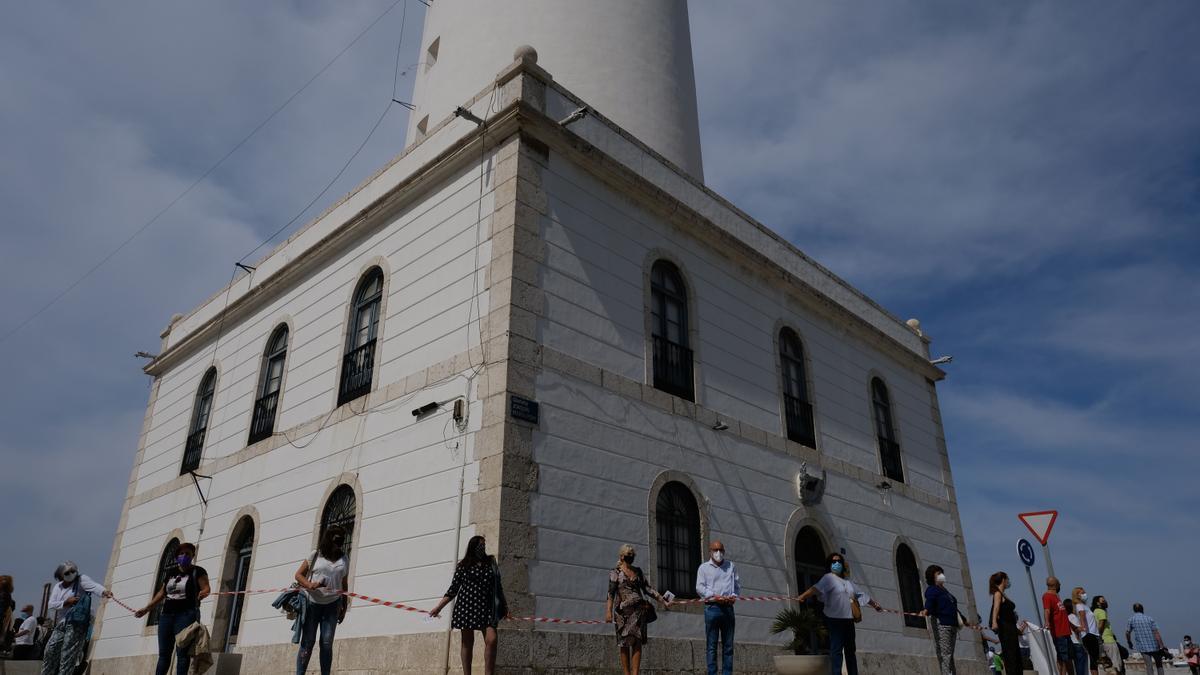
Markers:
480,604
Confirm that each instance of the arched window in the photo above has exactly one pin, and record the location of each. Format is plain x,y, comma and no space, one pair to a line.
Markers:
201,409
910,586
271,380
677,519
808,554
669,331
359,360
885,431
236,578
165,563
340,510
798,412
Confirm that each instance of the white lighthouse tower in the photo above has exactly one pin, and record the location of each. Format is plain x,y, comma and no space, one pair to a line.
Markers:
631,60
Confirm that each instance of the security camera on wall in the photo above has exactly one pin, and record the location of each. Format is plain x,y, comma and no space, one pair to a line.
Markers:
809,485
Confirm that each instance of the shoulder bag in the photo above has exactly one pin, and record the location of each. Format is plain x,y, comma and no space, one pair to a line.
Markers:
855,608
499,602
649,612
80,614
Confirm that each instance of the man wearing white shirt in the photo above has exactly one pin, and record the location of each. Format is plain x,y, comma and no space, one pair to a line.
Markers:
23,649
717,583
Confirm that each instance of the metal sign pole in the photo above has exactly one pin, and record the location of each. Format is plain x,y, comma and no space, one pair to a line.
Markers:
1037,610
1049,563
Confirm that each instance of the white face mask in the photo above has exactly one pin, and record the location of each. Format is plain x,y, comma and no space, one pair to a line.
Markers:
1083,597
940,579
717,557
69,577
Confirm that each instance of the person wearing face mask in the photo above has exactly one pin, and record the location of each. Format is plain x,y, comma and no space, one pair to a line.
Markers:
1191,654
840,597
1059,625
25,645
480,603
629,609
1091,631
71,610
1108,638
718,584
184,586
1004,621
323,578
942,606
1079,659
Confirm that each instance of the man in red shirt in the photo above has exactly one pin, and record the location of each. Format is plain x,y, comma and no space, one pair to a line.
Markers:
1058,624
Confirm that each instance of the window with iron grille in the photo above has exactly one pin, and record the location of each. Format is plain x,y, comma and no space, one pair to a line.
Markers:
677,519
340,509
808,555
358,363
165,564
669,331
910,586
885,432
797,407
262,423
193,447
242,548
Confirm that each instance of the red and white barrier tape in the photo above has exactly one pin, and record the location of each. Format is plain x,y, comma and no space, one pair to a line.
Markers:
534,619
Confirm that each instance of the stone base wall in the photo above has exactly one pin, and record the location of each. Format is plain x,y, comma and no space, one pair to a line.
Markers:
527,652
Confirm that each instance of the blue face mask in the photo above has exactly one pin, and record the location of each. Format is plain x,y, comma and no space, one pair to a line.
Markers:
837,568
184,560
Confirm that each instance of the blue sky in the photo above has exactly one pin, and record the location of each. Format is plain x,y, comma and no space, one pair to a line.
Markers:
1020,176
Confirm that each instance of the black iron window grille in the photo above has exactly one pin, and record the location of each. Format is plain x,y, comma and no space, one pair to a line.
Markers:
885,431
193,447
357,367
669,332
799,421
359,360
673,368
192,451
263,424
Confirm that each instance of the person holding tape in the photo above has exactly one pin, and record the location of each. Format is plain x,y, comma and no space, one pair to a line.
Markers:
943,607
323,578
184,586
842,601
480,605
1005,623
71,609
629,609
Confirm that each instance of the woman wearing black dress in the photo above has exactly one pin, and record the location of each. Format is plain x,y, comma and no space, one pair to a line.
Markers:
1004,622
480,604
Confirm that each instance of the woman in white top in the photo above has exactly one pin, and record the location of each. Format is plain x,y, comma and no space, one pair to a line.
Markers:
1091,630
839,595
323,578
1078,655
72,607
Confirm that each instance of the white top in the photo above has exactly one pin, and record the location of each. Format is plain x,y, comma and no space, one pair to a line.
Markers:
835,593
59,595
333,574
1074,619
30,625
1092,626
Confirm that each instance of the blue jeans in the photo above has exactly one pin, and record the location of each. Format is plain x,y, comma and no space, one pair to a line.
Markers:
169,626
1080,657
325,616
718,625
841,639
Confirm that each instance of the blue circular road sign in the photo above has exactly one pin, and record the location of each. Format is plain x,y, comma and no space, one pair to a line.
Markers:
1025,551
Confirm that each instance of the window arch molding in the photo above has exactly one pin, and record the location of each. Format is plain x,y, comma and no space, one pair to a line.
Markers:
897,471
203,405
230,557
284,323
800,519
652,257
777,334
166,554
366,271
908,580
651,545
356,539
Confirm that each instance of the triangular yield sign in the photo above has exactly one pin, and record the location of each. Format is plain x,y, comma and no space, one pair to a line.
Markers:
1039,523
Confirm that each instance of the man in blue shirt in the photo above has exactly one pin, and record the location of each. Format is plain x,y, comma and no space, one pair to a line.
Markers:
1142,636
717,583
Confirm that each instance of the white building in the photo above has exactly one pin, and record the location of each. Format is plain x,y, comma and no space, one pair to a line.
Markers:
687,364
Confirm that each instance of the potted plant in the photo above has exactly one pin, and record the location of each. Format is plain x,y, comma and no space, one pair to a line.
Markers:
807,629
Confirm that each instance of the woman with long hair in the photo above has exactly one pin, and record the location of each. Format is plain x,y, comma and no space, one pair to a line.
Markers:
842,600
480,605
1091,632
184,586
1004,622
627,595
323,578
943,607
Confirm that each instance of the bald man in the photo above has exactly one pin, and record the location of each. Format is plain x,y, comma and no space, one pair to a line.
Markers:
717,583
1058,624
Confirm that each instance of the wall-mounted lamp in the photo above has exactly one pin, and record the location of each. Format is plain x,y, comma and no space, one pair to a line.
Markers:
720,426
424,410
941,360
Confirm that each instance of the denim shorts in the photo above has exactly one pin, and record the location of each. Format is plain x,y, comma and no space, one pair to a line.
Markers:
1062,648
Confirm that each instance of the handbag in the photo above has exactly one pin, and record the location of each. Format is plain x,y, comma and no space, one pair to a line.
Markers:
499,602
80,614
649,612
855,608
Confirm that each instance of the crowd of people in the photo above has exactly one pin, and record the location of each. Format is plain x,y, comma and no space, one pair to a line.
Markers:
1078,635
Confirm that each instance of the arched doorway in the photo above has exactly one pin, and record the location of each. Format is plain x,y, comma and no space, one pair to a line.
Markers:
808,556
235,577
